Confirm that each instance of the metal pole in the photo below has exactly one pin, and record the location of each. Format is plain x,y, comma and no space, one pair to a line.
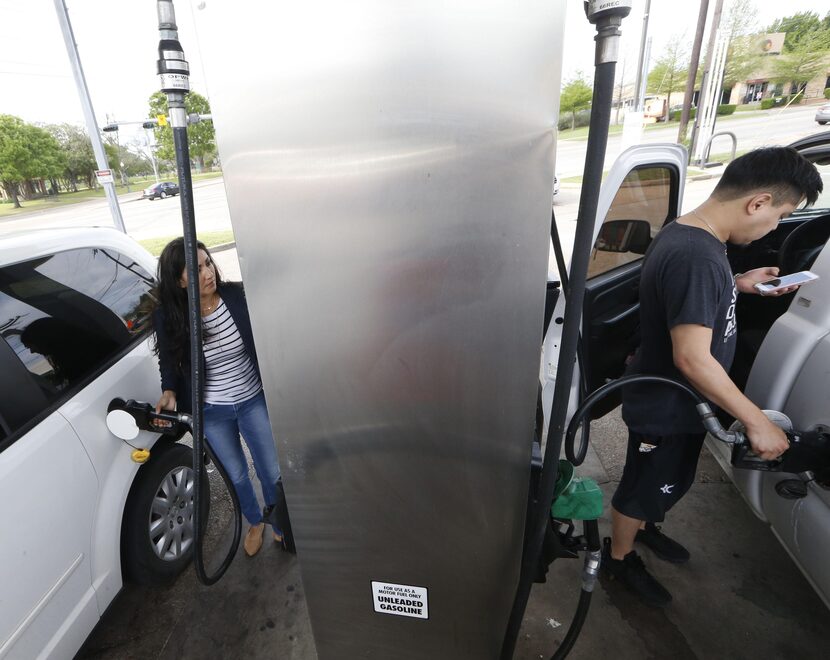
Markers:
710,48
151,144
619,94
89,114
641,93
641,60
693,64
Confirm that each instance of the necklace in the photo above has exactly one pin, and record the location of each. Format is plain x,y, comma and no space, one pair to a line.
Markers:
703,220
210,308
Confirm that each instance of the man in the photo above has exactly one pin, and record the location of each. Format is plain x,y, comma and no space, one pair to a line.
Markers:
688,328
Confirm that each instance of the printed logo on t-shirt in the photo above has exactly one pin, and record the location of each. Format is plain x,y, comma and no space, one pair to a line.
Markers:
731,322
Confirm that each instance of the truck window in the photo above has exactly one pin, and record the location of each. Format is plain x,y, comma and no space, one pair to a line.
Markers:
645,194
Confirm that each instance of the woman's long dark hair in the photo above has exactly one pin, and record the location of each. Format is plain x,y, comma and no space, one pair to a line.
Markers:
172,297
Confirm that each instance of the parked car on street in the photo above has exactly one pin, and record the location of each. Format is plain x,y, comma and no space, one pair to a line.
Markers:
823,114
161,190
783,347
78,513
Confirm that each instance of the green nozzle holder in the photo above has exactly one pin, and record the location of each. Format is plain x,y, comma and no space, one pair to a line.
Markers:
575,498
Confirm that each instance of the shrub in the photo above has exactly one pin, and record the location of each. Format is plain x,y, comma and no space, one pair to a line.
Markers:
726,109
674,115
766,104
827,93
795,100
583,118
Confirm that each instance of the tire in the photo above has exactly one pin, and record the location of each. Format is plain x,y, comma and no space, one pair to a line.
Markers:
163,194
157,541
821,123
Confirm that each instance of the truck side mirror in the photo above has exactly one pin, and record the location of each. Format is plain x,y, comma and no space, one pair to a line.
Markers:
624,236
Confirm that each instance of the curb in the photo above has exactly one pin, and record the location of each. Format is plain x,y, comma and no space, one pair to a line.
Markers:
222,247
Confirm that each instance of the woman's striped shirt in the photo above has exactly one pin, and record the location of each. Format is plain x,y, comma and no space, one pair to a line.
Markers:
230,374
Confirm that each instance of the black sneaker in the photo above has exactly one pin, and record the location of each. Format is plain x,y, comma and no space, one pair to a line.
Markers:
633,574
661,545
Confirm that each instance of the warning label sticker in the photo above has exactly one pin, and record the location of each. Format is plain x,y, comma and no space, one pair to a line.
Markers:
400,599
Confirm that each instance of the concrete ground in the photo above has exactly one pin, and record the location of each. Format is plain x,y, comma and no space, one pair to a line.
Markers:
739,597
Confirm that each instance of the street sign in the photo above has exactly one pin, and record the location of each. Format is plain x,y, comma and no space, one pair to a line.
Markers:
104,176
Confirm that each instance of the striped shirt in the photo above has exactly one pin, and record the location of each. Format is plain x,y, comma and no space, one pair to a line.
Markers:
230,374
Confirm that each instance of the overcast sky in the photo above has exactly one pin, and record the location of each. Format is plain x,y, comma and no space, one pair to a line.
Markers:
117,40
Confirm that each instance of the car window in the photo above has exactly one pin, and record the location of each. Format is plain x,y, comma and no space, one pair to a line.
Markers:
68,315
823,201
646,194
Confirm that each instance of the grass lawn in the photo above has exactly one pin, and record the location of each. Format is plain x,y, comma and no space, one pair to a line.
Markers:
137,184
615,129
210,238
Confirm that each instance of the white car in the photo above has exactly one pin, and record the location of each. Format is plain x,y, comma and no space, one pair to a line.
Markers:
77,513
783,350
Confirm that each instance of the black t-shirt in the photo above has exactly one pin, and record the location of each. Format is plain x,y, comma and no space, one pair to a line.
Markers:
686,279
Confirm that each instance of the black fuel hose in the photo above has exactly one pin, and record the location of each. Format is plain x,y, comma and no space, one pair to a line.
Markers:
589,578
198,531
577,456
174,71
607,20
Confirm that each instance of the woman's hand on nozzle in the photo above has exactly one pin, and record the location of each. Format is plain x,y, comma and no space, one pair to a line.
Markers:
166,402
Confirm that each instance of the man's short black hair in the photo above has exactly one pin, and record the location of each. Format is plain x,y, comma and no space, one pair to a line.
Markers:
780,171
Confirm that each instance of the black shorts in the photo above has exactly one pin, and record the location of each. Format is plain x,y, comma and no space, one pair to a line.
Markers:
658,472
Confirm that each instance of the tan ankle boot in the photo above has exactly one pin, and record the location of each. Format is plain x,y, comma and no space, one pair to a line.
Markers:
253,539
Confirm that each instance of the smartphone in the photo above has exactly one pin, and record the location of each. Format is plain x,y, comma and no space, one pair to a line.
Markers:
777,283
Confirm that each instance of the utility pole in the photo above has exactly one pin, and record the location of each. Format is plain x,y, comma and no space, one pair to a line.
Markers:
149,135
619,93
710,49
641,62
693,64
89,114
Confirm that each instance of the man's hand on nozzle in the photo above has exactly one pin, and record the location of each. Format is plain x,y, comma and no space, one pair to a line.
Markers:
767,440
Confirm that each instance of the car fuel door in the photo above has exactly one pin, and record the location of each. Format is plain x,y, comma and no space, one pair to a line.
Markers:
641,193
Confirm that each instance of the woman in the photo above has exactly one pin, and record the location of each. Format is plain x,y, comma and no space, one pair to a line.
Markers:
234,402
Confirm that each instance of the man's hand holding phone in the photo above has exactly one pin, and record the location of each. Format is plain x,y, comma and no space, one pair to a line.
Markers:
766,282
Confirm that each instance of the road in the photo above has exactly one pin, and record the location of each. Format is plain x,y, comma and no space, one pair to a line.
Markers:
146,219
142,218
756,130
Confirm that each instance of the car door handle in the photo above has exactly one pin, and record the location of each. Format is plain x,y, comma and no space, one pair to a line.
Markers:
617,317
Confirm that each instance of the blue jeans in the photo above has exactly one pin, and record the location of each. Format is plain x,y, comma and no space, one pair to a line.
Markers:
223,424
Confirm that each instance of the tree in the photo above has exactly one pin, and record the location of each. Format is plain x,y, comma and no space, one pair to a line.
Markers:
799,27
26,152
201,136
744,53
741,19
669,71
576,95
805,60
77,148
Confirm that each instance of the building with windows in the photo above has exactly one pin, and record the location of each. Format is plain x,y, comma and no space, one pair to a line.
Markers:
761,83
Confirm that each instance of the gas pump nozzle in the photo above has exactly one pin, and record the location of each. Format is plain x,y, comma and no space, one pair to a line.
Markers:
809,450
143,416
